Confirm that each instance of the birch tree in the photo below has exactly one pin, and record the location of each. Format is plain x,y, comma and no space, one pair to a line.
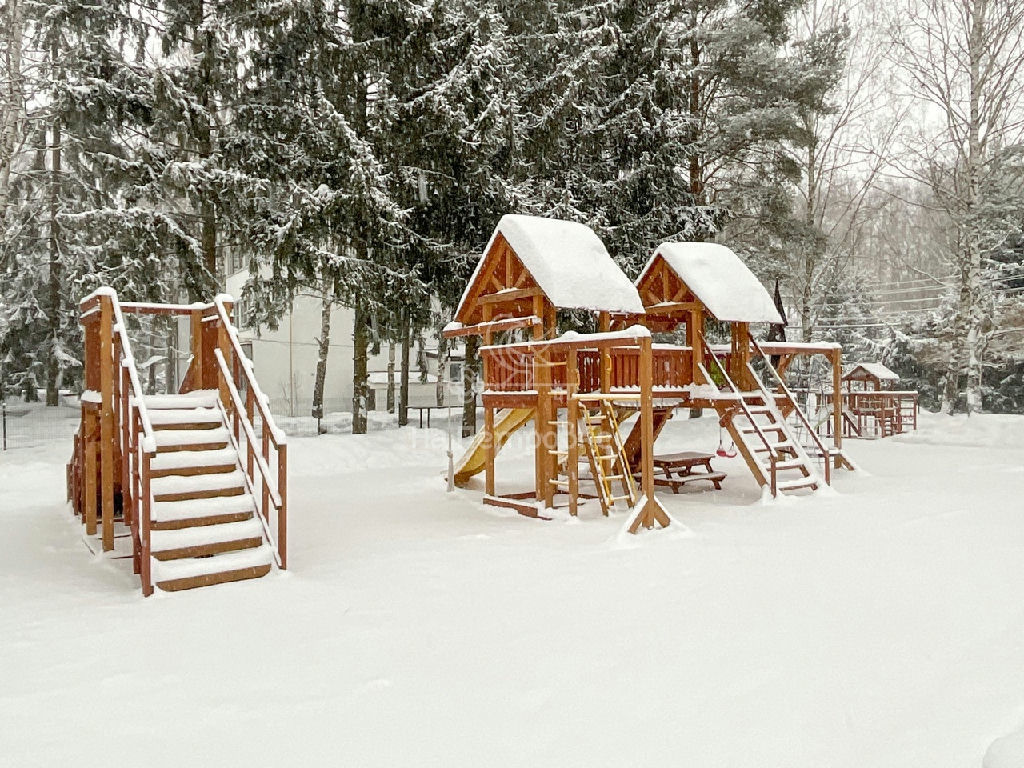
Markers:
962,60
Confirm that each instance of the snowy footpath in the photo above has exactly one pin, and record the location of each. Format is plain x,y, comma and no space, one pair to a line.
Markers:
877,626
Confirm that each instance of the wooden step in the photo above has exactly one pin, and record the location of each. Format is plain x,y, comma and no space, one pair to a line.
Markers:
193,462
792,485
203,541
186,418
171,440
192,572
766,428
170,515
203,486
200,398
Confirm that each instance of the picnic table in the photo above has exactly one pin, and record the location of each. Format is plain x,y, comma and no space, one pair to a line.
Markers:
688,466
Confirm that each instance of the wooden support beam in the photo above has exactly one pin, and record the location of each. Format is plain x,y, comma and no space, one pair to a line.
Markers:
672,307
488,450
836,358
91,448
196,327
572,467
505,324
510,295
107,363
652,512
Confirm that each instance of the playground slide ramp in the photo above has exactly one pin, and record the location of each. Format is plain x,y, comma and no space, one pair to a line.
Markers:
506,422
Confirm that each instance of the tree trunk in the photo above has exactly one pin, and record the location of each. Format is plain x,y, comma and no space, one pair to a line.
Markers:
13,102
403,404
469,372
360,385
391,377
442,369
202,46
323,348
55,272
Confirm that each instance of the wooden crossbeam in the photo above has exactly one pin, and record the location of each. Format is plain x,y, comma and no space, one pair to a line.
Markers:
479,329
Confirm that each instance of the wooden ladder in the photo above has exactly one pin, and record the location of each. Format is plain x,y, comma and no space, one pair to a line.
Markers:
606,455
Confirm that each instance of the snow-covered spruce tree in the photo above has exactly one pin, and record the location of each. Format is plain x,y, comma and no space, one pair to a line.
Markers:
69,226
653,118
310,134
198,84
455,147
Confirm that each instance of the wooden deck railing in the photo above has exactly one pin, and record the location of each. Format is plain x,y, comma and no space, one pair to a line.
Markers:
511,368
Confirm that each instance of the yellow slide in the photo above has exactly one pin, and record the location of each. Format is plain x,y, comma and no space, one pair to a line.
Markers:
505,423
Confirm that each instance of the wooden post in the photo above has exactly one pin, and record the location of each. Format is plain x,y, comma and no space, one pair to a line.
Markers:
91,446
538,310
572,385
126,450
489,450
196,326
693,341
741,356
144,548
282,514
652,510
542,381
837,402
224,345
604,324
136,496
107,419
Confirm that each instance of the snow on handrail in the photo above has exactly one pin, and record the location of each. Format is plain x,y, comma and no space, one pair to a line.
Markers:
236,398
262,401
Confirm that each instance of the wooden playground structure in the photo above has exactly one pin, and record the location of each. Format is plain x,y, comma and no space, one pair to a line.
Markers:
577,389
196,480
870,405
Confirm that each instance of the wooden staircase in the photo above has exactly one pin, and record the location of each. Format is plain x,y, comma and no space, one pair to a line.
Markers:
198,477
203,525
769,447
755,420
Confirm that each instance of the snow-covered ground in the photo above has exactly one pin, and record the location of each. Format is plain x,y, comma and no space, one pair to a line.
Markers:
881,625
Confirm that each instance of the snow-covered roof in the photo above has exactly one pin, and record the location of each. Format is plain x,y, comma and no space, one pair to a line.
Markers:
877,370
722,282
569,263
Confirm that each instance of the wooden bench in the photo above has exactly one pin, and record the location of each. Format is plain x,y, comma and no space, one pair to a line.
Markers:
689,466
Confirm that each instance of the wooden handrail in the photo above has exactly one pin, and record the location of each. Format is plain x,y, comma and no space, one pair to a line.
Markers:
250,438
772,455
136,437
250,434
826,454
277,436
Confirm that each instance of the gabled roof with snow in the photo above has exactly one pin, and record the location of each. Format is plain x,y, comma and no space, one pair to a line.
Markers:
568,262
876,370
719,280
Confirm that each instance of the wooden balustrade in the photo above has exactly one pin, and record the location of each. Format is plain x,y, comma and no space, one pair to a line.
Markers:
511,369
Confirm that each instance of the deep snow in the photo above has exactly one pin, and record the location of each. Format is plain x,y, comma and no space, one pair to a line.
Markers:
881,625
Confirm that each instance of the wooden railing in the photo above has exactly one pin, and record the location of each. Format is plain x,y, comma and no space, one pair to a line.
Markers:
773,454
266,459
825,453
127,437
511,368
